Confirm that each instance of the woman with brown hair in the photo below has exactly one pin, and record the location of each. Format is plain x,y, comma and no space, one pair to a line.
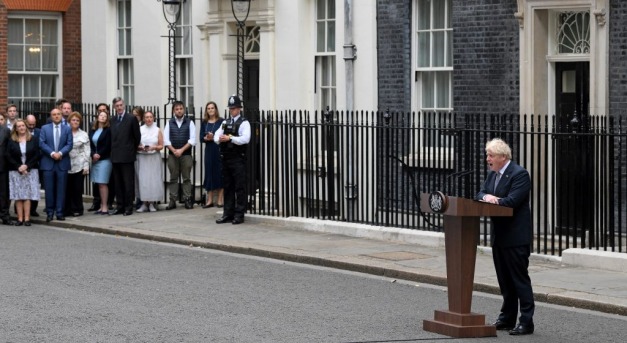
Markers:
23,160
100,143
79,159
213,163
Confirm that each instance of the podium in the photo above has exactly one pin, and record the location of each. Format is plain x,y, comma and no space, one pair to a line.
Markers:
461,237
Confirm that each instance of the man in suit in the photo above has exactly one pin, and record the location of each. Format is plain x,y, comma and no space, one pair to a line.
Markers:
31,125
5,202
508,184
125,138
55,142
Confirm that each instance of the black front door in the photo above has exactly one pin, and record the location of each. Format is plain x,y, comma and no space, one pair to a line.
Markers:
574,151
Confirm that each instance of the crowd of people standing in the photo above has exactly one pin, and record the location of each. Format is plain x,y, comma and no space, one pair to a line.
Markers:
121,156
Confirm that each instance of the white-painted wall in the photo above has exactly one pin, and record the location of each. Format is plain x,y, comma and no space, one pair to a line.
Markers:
287,75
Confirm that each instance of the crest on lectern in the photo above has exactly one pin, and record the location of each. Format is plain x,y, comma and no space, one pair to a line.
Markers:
438,202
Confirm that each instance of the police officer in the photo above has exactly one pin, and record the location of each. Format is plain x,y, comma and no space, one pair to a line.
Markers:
233,137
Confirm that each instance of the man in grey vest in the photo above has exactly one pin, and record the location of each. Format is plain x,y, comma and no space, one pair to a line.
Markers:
179,137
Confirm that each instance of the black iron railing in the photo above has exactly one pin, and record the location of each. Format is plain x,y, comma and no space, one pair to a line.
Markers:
370,166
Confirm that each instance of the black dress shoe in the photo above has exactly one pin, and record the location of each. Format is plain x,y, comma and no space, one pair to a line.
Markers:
522,329
93,208
19,223
501,325
237,221
189,204
128,213
116,212
27,223
49,218
8,221
225,219
34,214
60,217
207,206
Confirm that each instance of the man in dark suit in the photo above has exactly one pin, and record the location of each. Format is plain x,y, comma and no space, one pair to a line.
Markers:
5,203
55,142
31,125
508,184
125,138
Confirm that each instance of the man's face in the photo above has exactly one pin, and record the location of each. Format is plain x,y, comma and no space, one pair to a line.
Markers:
12,113
234,111
31,123
119,107
102,109
495,162
55,116
179,111
66,109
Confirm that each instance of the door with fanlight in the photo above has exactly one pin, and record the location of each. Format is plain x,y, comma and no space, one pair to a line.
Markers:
574,163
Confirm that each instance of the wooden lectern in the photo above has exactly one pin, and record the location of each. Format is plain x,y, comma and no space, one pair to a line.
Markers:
461,237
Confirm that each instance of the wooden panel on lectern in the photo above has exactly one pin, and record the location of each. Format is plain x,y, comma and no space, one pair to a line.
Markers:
462,207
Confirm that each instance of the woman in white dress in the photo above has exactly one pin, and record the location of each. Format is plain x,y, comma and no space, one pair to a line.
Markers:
149,165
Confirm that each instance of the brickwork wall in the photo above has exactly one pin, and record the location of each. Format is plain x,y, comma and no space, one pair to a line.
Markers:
72,65
4,78
72,58
394,54
618,58
485,56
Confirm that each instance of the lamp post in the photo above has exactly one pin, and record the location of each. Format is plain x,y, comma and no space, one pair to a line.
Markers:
241,9
171,13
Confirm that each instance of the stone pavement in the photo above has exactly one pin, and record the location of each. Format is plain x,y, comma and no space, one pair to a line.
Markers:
395,253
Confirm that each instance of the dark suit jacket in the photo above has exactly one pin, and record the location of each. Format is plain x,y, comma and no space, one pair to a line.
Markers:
36,133
104,143
14,154
46,144
513,189
5,137
125,137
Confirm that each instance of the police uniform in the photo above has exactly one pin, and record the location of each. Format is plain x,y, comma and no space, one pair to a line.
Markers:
233,154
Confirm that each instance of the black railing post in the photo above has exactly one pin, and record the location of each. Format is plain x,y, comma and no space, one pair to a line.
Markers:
330,174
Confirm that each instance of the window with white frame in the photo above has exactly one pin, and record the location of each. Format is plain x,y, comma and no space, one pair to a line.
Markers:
126,77
325,54
183,55
33,57
434,64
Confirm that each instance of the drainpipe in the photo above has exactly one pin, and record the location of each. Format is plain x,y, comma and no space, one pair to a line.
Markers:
350,53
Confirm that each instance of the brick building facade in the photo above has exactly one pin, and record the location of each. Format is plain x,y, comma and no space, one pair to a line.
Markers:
69,83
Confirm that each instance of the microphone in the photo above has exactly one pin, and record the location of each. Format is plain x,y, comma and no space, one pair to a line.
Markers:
459,174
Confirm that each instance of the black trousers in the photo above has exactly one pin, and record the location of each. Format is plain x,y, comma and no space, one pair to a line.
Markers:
234,176
511,266
5,202
74,193
124,178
